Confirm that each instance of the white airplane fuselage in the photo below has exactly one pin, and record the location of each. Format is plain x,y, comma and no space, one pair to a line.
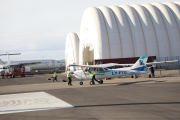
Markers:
45,64
110,73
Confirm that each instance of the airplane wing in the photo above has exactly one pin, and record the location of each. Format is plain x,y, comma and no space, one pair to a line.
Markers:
94,66
123,64
150,63
162,62
115,64
23,64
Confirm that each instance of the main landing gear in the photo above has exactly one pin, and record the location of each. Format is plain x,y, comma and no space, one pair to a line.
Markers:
151,76
135,76
81,83
100,82
91,83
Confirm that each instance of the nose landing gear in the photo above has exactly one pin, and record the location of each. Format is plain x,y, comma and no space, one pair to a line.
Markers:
135,76
91,82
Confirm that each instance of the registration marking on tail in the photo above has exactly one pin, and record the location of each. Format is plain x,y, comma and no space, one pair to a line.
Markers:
34,101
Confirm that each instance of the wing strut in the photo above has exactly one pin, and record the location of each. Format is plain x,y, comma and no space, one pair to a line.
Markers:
83,72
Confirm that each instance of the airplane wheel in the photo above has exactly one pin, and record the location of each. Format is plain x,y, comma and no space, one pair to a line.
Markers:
101,82
81,83
132,76
91,83
136,76
149,76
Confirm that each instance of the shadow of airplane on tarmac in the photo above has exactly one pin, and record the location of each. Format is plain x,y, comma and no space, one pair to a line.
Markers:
128,83
153,103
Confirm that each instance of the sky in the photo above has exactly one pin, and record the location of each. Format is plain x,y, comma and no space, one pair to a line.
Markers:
37,28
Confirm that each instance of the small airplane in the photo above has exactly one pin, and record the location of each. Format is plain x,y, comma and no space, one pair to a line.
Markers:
101,71
7,68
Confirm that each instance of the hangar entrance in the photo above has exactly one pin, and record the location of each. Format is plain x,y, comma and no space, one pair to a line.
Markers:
88,56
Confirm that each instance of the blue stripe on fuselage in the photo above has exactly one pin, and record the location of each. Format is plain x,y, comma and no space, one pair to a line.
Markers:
107,71
139,68
73,65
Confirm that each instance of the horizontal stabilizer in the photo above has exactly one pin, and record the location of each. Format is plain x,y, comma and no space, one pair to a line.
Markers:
11,54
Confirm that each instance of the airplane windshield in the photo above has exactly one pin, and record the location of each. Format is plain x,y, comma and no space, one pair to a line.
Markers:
96,69
4,67
105,68
100,69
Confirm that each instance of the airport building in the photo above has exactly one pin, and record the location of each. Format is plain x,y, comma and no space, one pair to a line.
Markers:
126,31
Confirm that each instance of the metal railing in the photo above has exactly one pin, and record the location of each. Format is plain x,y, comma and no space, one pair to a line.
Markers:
168,66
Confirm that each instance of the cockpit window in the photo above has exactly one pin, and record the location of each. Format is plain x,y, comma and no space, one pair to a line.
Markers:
4,68
96,69
58,62
92,69
100,69
105,68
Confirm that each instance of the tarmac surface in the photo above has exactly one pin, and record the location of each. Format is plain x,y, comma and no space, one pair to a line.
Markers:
126,98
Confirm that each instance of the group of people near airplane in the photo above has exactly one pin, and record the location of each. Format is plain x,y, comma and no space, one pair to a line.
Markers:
134,70
90,73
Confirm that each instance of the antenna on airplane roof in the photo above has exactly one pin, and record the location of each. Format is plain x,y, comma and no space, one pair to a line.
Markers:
9,57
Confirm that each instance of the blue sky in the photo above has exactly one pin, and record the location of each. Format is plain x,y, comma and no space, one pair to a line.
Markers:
37,28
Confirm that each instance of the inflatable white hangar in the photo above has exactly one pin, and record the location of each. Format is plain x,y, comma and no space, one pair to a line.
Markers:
125,31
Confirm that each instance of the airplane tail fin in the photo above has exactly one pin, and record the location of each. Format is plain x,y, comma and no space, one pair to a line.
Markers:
1,62
140,64
8,62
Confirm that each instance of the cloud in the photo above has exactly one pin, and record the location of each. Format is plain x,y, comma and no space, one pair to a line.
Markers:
29,55
34,44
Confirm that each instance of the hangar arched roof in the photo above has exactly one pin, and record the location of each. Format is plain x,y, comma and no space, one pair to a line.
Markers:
72,48
131,30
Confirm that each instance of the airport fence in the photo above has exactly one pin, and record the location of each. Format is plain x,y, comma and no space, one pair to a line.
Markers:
168,66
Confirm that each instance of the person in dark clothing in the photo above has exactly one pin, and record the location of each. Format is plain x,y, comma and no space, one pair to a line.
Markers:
69,77
152,70
93,77
55,77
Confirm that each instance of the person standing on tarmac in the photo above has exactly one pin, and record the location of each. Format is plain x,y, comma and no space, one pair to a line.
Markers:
93,77
55,77
7,74
152,71
69,77
10,73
